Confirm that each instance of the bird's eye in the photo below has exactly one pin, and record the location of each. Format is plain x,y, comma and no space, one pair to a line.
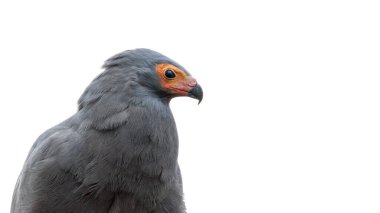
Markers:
169,74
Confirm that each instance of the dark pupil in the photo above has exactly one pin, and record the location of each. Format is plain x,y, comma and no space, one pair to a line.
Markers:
169,74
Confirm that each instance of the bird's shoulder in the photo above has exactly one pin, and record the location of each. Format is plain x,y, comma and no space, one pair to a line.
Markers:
53,142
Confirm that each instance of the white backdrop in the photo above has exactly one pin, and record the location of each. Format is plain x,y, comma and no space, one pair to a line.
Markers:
291,112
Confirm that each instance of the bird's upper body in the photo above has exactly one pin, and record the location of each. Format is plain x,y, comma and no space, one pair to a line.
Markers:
119,152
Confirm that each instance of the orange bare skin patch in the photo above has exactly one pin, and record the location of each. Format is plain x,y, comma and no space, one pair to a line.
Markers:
181,84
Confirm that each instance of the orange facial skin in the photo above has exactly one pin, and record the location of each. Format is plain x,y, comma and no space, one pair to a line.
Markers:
180,85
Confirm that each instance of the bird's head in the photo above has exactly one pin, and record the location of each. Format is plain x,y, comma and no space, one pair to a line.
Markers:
137,77
155,72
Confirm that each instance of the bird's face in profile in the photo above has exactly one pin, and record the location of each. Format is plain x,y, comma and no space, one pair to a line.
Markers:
151,73
177,82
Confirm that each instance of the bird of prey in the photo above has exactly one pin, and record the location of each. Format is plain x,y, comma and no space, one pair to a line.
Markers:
118,152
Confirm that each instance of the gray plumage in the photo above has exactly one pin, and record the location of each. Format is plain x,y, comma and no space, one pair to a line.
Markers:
118,153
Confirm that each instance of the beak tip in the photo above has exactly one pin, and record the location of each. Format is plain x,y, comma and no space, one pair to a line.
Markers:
197,93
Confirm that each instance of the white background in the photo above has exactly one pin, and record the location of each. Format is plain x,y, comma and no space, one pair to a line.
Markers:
291,112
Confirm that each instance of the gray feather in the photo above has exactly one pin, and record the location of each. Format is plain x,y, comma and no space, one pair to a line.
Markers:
118,153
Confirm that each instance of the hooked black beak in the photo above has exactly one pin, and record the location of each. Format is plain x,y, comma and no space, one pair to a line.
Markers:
196,92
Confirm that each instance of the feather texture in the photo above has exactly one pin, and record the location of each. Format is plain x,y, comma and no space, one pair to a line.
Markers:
118,153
